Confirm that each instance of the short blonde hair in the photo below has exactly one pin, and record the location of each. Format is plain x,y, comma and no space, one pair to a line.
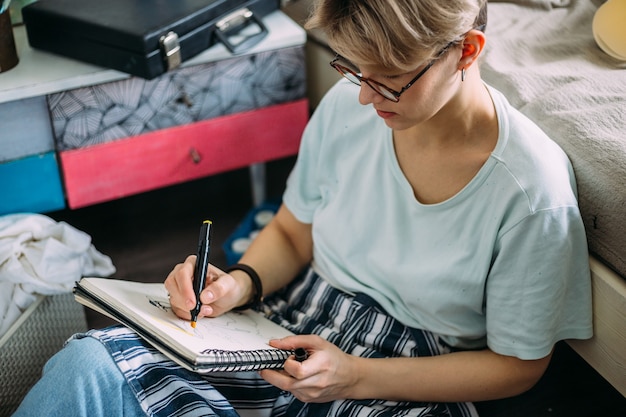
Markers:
395,34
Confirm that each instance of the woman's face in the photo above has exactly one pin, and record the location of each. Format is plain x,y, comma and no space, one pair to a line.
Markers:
419,103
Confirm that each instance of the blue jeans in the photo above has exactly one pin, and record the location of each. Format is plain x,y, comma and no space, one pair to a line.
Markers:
81,380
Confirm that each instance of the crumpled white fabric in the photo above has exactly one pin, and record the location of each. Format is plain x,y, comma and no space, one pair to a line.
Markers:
41,256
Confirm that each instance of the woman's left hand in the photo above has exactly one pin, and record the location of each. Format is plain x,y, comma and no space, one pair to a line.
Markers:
326,375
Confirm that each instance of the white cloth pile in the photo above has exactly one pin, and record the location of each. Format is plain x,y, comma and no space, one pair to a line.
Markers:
41,256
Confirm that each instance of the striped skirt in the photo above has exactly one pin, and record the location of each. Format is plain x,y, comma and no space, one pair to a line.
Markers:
356,324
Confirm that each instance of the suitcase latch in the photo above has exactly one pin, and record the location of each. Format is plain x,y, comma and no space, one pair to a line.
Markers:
170,50
234,19
229,27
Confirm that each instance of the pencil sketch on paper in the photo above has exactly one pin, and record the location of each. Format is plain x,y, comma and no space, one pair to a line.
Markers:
229,327
163,305
169,318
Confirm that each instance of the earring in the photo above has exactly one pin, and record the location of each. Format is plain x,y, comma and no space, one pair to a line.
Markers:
462,74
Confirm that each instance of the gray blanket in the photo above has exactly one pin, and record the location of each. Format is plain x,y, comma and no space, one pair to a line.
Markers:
542,56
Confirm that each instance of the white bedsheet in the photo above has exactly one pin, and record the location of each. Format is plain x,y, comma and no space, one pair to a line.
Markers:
541,4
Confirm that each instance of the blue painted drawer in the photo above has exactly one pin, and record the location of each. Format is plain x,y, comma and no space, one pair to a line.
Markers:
25,128
31,184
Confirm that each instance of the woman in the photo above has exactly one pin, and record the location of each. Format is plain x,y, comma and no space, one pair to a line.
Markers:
438,231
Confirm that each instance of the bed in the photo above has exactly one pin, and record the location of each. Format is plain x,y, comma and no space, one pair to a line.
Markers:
543,56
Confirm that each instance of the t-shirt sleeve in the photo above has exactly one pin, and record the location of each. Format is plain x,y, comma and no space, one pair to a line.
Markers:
538,289
303,194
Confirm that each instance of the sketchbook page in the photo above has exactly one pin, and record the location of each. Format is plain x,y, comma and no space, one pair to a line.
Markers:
147,305
188,363
167,351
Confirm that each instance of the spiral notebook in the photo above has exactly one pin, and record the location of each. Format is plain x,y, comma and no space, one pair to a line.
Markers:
236,341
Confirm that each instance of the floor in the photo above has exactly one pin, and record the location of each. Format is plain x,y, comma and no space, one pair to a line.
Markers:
147,234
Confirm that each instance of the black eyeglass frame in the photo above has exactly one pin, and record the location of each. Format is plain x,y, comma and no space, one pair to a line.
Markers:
376,86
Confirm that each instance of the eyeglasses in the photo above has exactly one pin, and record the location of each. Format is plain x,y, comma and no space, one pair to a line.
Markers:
382,89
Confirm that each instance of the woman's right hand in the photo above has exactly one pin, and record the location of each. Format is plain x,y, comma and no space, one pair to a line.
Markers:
222,291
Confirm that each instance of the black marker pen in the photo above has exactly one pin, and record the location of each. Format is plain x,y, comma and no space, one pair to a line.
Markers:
202,266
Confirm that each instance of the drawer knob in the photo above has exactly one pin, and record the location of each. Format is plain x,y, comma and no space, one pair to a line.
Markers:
195,156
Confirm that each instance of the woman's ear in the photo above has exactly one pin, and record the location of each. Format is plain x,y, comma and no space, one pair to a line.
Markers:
472,47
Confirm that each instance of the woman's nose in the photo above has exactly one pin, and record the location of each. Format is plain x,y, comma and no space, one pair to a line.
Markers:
367,95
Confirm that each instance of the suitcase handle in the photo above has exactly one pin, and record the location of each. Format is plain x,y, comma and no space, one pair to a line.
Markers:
233,23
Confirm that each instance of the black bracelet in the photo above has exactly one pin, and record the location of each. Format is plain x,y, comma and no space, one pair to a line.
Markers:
256,282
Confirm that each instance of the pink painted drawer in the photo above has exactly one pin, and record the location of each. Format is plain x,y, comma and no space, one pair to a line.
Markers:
170,156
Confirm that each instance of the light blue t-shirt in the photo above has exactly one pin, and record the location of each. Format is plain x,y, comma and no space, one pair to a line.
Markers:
503,263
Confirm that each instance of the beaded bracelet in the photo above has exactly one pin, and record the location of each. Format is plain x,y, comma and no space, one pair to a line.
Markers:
256,282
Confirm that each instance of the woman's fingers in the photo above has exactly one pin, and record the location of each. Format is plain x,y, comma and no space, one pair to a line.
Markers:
179,285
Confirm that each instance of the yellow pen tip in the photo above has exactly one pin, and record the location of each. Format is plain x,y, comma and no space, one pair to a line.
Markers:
193,324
